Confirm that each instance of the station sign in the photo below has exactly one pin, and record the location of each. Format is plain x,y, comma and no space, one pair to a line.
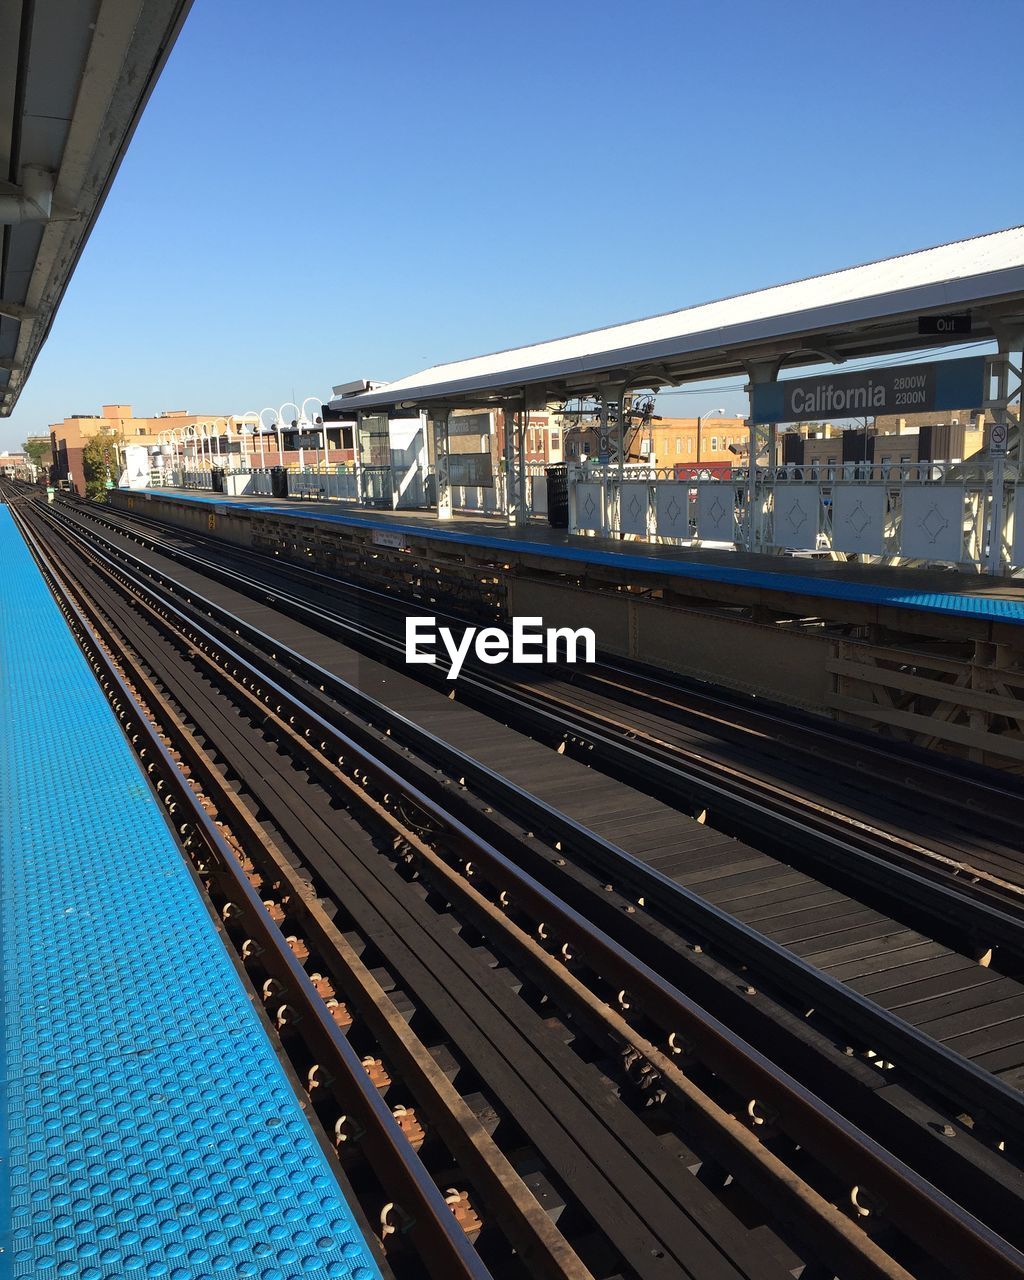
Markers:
469,424
308,440
899,389
958,322
387,538
471,469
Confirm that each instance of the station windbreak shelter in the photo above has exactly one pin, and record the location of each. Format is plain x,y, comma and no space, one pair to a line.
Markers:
921,302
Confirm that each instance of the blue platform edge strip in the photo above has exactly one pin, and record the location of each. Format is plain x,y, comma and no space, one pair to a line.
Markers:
147,1128
971,606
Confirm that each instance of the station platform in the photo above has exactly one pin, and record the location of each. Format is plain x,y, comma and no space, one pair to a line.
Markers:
147,1126
931,656
937,591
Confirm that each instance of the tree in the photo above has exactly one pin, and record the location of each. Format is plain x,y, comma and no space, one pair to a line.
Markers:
37,450
100,458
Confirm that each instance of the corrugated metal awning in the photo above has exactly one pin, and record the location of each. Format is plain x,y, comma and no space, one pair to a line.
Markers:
862,311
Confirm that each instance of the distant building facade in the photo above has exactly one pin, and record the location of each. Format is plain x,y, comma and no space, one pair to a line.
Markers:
117,422
14,465
667,442
229,445
476,443
950,437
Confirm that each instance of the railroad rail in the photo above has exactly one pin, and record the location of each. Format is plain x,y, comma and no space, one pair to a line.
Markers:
804,983
709,738
950,894
610,991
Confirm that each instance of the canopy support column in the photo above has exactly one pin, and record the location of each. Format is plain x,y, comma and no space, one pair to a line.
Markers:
522,513
515,491
439,419
1001,369
357,461
611,446
763,437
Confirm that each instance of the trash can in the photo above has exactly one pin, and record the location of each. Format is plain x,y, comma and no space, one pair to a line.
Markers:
279,482
558,495
217,476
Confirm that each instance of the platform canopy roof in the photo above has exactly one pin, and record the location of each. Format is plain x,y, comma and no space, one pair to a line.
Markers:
864,311
75,76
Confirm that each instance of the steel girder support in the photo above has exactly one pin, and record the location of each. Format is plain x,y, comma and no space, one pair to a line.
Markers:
357,459
611,440
513,413
14,311
32,201
763,438
522,510
442,481
1008,380
611,445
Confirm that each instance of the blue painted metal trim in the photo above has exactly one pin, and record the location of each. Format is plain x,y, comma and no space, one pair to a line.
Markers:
152,1131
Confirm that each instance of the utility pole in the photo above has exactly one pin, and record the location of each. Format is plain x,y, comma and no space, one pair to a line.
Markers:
700,423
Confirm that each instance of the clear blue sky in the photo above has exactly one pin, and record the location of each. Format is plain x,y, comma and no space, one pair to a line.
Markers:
329,190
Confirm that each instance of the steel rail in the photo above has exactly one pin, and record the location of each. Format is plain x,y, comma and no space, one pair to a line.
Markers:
826,1231
749,802
936,1223
964,1083
1002,1121
431,1223
743,800
645,680
694,773
201,654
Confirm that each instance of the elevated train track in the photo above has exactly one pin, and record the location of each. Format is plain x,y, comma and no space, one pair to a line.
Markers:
715,751
966,921
374,810
713,734
962,918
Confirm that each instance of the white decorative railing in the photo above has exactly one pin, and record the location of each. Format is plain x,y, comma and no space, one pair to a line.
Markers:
374,486
911,511
491,499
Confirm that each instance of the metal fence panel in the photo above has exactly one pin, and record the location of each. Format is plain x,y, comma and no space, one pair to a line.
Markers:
716,511
634,507
858,518
672,505
932,524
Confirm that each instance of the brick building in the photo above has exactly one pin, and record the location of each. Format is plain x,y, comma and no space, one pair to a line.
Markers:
69,438
481,433
667,442
117,422
952,436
